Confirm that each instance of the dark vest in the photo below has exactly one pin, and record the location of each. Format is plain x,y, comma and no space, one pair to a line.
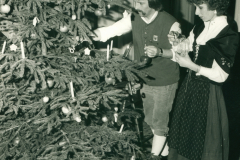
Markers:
222,49
164,70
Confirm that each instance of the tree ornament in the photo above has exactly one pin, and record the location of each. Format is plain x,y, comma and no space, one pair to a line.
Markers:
110,80
63,29
50,82
87,51
5,8
13,47
116,109
16,141
77,38
77,118
74,17
65,110
35,21
45,99
62,143
57,8
104,119
98,12
33,36
146,60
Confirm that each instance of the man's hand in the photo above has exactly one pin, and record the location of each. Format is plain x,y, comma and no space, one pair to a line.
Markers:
175,38
96,36
152,51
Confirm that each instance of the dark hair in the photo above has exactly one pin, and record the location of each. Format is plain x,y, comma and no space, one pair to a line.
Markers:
155,4
219,5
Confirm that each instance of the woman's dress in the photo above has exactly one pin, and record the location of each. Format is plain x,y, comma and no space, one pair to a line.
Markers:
199,126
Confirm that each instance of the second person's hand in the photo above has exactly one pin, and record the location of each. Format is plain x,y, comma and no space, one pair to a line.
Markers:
183,61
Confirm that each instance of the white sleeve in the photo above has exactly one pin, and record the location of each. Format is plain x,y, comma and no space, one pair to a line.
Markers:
191,40
216,73
175,27
120,27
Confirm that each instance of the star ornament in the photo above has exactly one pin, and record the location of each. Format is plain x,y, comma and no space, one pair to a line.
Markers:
13,47
87,51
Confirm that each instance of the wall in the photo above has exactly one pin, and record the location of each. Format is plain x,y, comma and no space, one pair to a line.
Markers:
237,13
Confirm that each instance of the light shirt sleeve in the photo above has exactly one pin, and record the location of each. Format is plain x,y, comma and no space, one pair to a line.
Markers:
176,28
191,40
117,29
211,30
216,73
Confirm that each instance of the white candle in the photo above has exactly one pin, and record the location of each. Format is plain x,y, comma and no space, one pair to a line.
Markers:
22,49
111,47
71,88
120,131
4,45
107,52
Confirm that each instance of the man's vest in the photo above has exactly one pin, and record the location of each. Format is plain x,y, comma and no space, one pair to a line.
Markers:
164,70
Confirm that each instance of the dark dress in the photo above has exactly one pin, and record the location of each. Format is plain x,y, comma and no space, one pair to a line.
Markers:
199,126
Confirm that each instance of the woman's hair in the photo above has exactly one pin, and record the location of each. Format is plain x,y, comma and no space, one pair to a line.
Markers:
155,4
219,5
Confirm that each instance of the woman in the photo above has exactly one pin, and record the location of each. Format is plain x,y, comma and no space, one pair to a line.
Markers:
199,127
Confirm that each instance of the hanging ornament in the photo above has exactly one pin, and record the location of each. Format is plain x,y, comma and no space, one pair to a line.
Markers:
110,80
77,38
71,49
5,8
108,6
16,141
63,28
13,47
77,118
45,99
62,143
116,109
57,8
115,117
87,51
104,119
33,36
98,12
50,82
74,17
66,110
35,21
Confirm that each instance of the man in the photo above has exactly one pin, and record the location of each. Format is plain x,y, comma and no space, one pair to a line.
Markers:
150,29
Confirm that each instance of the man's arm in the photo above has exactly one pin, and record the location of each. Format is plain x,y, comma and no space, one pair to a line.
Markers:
120,27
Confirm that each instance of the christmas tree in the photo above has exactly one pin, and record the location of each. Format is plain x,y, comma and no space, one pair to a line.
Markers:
58,97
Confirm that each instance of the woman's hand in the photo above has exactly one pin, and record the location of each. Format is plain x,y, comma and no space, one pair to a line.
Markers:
183,47
185,61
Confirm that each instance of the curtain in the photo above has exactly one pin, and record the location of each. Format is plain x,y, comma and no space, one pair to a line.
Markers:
237,14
